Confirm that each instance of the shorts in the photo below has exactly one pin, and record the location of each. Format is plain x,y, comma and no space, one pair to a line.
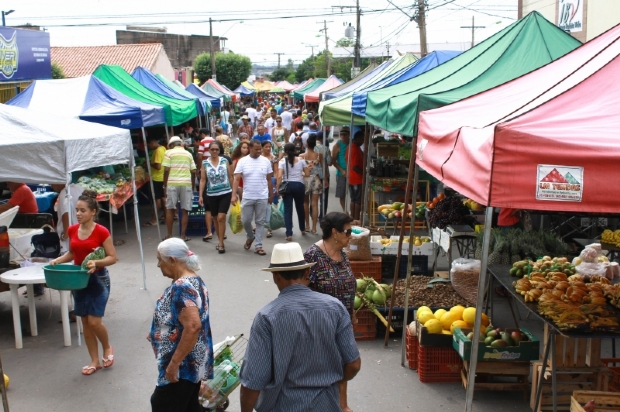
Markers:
341,187
219,203
158,188
313,185
356,193
92,300
182,194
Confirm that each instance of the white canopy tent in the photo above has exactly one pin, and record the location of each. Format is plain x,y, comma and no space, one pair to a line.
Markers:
40,148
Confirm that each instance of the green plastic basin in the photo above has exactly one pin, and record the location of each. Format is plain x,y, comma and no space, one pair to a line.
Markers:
65,277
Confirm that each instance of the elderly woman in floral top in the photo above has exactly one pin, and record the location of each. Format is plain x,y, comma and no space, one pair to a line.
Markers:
332,273
180,333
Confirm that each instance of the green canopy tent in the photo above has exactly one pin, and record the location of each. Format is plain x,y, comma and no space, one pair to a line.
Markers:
338,111
214,91
182,91
314,84
525,45
277,90
177,111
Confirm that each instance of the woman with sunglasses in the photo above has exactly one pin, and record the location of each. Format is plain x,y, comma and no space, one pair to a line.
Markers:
216,177
332,273
279,135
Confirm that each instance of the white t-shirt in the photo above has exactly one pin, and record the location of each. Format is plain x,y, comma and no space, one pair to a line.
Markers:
254,173
295,172
251,113
304,138
287,119
225,116
270,124
65,205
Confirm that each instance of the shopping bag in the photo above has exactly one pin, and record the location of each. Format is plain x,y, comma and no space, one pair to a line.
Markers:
277,218
234,219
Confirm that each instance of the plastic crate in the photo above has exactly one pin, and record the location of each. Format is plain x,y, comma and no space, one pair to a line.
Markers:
368,268
419,266
398,316
412,347
366,326
614,372
197,210
439,364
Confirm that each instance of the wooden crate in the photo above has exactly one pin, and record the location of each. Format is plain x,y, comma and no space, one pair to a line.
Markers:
604,401
568,380
575,353
499,376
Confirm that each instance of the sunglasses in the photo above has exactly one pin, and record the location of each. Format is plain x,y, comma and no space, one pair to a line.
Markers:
348,232
215,149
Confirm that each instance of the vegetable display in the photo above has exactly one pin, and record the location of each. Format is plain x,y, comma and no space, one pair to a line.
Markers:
98,184
440,295
450,211
369,294
445,321
515,244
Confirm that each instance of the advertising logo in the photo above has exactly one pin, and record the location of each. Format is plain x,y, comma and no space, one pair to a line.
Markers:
8,55
559,183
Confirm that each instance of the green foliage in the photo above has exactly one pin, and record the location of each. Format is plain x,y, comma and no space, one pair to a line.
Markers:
317,67
202,67
345,42
280,74
290,65
57,72
232,69
320,65
291,78
305,70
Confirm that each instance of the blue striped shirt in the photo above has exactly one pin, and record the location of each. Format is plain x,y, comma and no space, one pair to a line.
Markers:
298,346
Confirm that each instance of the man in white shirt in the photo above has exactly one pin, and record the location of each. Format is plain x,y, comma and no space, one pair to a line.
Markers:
287,119
251,111
271,122
256,172
65,209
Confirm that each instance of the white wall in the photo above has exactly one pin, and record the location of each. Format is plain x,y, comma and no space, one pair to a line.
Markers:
601,16
163,66
548,8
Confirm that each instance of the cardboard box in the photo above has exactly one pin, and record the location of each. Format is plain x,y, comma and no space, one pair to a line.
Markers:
444,274
526,351
377,248
432,339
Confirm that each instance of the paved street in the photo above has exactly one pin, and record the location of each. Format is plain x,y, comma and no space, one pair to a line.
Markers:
45,375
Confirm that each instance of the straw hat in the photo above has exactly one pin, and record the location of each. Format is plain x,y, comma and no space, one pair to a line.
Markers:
286,257
174,139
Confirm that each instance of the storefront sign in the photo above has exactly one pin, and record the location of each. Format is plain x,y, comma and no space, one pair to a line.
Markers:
570,16
559,183
24,54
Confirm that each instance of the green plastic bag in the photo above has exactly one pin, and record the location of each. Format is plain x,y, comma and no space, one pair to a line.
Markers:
277,218
97,254
234,219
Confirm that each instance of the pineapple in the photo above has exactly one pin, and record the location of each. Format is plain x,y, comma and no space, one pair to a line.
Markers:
495,258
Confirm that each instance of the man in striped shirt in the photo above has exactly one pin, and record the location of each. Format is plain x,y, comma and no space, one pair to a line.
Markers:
301,344
179,175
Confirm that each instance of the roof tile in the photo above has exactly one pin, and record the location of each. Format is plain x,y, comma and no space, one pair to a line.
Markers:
82,61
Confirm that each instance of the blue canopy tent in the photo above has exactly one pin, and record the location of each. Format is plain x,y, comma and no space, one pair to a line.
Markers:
198,92
244,91
179,88
151,82
428,62
88,98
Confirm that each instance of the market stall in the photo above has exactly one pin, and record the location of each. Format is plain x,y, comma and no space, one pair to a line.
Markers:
200,93
66,144
298,94
368,73
243,91
313,96
551,150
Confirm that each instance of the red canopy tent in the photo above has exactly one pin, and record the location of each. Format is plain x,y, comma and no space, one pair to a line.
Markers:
544,141
331,82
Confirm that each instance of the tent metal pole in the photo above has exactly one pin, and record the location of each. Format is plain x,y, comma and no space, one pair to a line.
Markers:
167,134
148,164
364,211
482,283
325,177
199,121
132,166
347,197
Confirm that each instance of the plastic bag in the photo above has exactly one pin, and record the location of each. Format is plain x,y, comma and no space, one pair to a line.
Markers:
590,269
277,218
464,275
359,244
234,219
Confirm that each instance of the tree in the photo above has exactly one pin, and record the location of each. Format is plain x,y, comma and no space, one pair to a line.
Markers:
202,67
57,72
305,70
320,65
279,74
291,78
345,42
232,69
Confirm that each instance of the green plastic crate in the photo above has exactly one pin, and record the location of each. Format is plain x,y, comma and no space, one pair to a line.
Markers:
526,351
65,277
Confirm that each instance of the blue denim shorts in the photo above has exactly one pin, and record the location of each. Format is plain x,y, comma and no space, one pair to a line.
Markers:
92,300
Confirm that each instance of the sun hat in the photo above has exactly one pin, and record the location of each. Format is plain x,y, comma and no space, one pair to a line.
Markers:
286,257
245,117
174,139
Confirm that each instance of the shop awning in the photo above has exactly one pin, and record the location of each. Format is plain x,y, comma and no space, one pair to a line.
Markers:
200,93
148,80
263,86
177,111
88,98
178,87
285,85
302,85
244,91
331,82
428,62
518,49
211,87
368,73
311,85
550,145
338,111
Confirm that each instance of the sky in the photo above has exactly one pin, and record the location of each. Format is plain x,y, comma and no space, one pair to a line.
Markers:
260,32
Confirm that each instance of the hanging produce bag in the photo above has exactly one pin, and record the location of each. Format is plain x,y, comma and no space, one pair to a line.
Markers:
359,244
234,220
277,218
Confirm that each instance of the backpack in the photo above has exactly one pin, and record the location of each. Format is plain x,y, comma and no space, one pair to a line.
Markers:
299,144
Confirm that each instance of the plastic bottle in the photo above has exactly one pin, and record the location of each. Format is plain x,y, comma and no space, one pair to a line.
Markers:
5,251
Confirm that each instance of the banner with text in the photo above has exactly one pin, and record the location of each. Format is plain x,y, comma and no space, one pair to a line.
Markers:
24,54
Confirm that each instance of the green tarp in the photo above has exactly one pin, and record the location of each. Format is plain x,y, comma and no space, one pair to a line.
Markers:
215,92
525,45
177,111
337,111
299,94
182,91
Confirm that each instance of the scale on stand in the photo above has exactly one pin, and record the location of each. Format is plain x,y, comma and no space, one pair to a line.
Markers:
460,230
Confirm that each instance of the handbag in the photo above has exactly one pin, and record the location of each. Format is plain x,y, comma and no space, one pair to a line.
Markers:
283,188
47,244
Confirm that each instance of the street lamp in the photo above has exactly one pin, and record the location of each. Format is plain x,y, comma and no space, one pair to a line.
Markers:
5,13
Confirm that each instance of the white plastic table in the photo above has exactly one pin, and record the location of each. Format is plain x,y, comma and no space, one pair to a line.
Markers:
29,276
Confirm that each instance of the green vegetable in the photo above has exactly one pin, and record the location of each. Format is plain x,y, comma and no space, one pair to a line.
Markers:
97,254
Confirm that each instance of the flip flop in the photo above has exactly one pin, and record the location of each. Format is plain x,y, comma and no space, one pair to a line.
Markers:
260,252
269,234
109,359
248,244
207,238
288,238
187,239
147,224
220,249
89,370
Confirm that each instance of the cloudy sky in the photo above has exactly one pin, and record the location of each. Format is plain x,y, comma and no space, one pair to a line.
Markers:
260,30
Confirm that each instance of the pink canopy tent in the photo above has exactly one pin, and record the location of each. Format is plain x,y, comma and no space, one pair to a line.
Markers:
285,85
543,141
331,82
302,84
223,89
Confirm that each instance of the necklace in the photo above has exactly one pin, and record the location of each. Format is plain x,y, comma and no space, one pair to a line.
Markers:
328,252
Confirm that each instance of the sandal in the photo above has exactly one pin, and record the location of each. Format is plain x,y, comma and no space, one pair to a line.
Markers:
314,232
147,224
269,234
207,238
288,238
186,239
89,370
220,249
260,251
109,361
248,244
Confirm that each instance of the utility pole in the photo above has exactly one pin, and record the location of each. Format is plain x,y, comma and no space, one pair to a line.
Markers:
387,46
279,54
357,63
473,27
324,30
213,75
421,20
312,48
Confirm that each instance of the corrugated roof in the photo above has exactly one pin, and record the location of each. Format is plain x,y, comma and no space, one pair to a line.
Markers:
82,61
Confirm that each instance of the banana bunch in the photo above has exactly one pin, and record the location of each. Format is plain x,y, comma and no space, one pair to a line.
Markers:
385,242
610,237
